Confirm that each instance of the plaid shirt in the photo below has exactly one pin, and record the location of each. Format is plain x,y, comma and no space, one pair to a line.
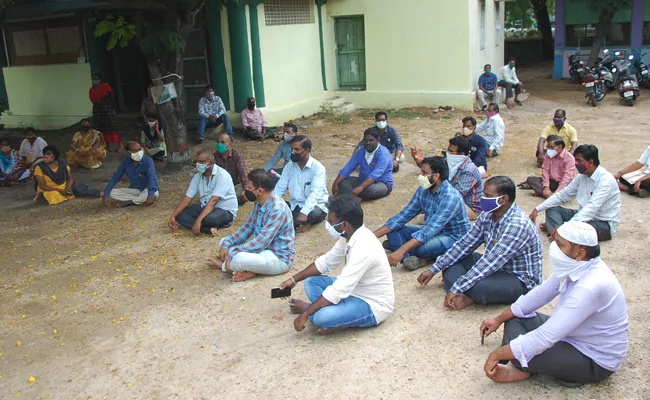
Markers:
271,225
512,244
444,214
236,167
468,182
488,82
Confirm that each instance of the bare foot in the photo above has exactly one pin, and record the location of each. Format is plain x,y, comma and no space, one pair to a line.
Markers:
324,332
297,306
509,373
243,276
214,263
462,301
542,227
303,228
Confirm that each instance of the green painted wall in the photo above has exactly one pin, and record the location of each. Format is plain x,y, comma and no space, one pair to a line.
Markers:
218,73
240,56
258,75
579,12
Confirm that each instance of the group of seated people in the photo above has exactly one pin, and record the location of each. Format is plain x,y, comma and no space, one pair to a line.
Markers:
489,84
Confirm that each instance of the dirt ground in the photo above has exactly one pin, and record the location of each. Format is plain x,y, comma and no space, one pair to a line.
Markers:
109,304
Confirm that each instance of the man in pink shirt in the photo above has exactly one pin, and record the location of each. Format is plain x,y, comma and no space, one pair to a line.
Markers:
252,121
558,169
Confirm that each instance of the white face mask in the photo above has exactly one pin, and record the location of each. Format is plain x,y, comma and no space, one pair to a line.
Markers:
287,136
381,124
424,183
467,131
201,168
453,162
209,95
336,235
151,124
551,153
137,156
563,265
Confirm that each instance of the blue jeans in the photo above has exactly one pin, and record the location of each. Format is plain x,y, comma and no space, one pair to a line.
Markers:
204,122
436,246
351,312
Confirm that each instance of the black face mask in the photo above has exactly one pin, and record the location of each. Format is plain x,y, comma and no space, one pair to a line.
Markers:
295,157
85,128
250,196
251,106
32,140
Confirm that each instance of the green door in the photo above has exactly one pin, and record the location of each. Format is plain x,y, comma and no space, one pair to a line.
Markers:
351,52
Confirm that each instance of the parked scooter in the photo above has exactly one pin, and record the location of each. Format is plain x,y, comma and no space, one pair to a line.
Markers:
605,67
576,67
628,88
594,87
642,74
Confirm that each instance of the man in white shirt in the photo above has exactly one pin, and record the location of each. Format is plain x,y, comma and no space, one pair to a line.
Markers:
510,81
494,130
363,295
585,339
306,180
31,149
635,178
596,191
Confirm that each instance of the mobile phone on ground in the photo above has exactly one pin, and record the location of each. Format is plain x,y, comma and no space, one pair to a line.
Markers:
277,293
483,336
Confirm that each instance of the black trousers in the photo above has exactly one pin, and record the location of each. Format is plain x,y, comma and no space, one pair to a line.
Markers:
630,187
562,361
509,87
316,216
556,216
373,192
216,219
535,183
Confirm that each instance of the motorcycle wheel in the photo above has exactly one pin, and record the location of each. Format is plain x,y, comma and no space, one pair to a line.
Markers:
592,99
600,96
609,85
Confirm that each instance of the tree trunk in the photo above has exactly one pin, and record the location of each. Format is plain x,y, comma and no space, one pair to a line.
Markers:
604,22
544,26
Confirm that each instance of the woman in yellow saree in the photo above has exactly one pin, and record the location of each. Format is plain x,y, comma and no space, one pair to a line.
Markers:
88,148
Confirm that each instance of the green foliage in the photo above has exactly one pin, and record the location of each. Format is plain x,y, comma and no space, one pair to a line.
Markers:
121,32
520,13
154,41
334,115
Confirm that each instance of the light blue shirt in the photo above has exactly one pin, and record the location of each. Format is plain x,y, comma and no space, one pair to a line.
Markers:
308,187
220,185
283,151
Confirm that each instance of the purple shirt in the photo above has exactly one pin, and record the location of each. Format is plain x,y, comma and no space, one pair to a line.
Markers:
380,168
591,315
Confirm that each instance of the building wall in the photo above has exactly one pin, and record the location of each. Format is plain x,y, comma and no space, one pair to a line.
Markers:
48,96
493,52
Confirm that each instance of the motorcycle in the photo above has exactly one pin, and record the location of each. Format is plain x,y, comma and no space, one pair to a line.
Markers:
577,67
594,87
628,88
642,74
605,67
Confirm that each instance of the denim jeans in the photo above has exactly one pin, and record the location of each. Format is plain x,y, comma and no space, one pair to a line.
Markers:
436,246
351,312
263,263
204,122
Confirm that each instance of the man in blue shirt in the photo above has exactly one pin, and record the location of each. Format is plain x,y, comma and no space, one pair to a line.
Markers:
445,219
212,113
284,149
487,84
375,178
389,138
217,194
140,170
478,146
306,180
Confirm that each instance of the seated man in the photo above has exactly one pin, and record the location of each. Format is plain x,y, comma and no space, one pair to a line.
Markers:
636,177
559,127
510,81
596,191
12,166
512,263
229,159
270,249
375,178
143,187
363,295
389,138
558,170
477,145
218,205
284,149
306,180
487,85
585,339
212,113
252,121
495,130
31,149
445,219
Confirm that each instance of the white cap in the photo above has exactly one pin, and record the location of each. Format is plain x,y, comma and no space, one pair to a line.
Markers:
580,233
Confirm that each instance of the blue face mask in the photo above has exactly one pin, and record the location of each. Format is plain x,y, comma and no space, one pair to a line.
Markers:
489,204
201,168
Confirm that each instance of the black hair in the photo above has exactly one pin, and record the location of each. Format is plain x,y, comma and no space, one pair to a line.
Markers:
589,152
250,98
438,165
54,150
209,87
293,127
461,143
592,251
504,186
471,119
84,120
562,111
512,59
381,113
262,179
5,139
494,106
347,209
127,146
96,74
374,132
557,140
304,141
487,65
30,129
152,115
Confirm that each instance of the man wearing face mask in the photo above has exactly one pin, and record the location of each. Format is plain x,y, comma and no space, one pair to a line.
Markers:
585,339
478,146
218,206
284,149
252,120
510,81
487,84
143,187
375,164
269,227
596,191
305,178
512,263
445,219
363,295
389,138
558,170
31,149
212,113
229,159
559,127
494,130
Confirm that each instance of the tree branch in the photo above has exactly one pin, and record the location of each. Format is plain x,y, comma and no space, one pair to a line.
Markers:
152,6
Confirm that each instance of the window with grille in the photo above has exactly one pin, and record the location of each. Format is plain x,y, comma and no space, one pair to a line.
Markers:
288,12
54,41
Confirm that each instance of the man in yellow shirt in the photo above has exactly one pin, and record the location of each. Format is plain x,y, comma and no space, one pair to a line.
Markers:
558,127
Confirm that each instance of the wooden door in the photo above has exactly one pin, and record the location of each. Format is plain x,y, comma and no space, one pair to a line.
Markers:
351,52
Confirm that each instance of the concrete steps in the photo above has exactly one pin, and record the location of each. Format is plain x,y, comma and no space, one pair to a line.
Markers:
339,103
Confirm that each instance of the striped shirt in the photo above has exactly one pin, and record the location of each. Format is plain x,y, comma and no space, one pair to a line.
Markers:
598,195
512,244
468,182
271,225
590,315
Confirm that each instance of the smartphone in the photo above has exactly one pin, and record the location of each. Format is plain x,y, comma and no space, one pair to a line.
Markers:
483,336
277,293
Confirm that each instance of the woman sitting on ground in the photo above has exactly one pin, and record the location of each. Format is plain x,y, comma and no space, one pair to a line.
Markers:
12,166
88,148
153,138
